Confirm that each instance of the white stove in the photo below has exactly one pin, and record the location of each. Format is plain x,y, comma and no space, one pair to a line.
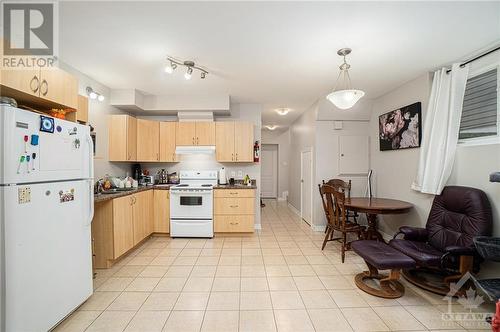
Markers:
191,204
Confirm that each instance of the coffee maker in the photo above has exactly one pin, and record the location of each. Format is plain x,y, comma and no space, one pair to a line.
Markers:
136,171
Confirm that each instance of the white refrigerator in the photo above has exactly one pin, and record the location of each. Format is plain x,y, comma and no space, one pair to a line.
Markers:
46,201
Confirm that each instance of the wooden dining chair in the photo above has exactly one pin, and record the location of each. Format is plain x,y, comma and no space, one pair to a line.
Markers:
346,186
336,214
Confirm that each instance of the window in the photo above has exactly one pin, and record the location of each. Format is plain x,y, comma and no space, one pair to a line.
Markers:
480,113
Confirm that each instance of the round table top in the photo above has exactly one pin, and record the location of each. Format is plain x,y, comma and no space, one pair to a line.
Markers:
377,205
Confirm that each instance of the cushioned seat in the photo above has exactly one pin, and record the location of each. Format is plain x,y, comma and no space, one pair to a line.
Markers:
381,256
421,252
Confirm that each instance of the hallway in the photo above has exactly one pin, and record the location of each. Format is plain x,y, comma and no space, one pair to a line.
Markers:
275,279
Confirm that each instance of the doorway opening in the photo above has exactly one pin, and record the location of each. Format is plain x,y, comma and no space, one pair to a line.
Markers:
306,179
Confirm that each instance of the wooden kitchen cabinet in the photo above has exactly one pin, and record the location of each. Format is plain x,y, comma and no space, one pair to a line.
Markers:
161,211
58,86
234,141
148,140
142,215
123,227
82,111
234,210
27,81
167,141
195,133
224,141
122,138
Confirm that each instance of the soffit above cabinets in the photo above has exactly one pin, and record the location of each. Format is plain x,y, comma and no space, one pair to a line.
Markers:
140,103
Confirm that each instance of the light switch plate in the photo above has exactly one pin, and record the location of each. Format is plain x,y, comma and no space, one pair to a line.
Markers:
240,174
24,195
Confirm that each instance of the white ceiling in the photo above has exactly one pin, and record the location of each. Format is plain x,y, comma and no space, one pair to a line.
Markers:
280,54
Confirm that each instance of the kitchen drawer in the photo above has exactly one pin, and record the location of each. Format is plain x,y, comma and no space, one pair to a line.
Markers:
228,205
233,223
234,193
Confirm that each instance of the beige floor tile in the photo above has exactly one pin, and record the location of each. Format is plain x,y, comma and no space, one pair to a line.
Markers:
347,298
286,300
185,321
268,251
168,284
78,321
293,320
190,252
251,252
224,301
397,318
317,259
99,301
228,271
291,251
336,282
252,260
410,297
142,285
254,284
274,260
230,260
257,321
226,284
153,252
140,260
148,321
231,251
179,271
163,261
208,260
185,260
325,270
277,271
364,319
115,284
111,321
196,284
329,320
301,270
210,252
153,271
296,260
170,252
308,283
220,321
253,271
203,271
317,299
160,301
255,301
431,317
192,301
281,283
129,271
349,269
128,301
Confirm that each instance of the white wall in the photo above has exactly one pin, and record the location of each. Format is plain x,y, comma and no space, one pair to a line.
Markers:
282,139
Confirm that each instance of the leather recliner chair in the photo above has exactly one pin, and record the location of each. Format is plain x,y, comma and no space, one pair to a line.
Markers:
445,246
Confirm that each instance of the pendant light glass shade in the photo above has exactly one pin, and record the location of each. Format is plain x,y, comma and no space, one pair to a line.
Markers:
347,97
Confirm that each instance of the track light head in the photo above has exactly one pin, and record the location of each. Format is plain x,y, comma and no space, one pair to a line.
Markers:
100,98
203,75
188,73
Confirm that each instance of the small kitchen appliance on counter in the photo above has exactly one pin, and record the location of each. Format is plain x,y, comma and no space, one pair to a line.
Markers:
191,204
146,180
222,176
136,171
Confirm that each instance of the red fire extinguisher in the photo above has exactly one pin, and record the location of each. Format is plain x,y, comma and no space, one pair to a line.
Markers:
256,152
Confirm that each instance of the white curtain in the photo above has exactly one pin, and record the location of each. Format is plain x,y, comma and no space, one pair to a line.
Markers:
441,127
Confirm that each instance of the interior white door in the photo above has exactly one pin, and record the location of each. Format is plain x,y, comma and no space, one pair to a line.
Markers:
354,152
306,186
269,171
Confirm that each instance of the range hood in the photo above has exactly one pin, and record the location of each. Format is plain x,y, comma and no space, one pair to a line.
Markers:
195,149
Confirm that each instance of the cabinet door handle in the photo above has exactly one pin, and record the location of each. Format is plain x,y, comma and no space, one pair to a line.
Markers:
157,156
37,82
193,140
129,156
197,141
44,82
131,200
233,206
232,156
232,193
168,194
236,156
234,223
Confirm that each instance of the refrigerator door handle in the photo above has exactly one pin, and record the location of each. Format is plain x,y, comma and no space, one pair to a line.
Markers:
90,144
91,202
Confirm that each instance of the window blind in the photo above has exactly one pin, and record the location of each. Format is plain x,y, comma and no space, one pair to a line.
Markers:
480,107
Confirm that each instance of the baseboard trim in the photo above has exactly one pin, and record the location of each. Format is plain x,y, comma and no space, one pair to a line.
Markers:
294,210
257,226
281,199
318,228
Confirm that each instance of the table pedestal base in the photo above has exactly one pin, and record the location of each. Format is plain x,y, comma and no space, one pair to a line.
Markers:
371,232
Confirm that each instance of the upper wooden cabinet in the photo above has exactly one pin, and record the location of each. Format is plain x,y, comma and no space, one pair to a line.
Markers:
82,111
56,87
122,138
195,133
148,140
167,141
234,141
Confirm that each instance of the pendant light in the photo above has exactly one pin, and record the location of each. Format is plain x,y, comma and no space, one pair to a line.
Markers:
345,97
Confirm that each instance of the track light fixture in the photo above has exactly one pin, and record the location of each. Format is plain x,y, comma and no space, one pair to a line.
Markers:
93,94
173,64
282,111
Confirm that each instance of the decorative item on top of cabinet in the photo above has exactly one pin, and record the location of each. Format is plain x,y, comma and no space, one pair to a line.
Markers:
167,141
195,133
234,142
234,210
148,140
122,138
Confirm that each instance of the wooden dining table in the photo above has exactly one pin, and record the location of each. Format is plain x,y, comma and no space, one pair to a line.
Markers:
373,207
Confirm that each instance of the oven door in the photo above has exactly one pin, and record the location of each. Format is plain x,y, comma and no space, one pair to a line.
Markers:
191,204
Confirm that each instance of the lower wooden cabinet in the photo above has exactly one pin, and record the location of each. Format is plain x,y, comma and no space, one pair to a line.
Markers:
143,215
161,211
234,210
122,225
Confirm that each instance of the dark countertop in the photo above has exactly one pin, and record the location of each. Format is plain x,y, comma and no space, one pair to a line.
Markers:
235,186
106,197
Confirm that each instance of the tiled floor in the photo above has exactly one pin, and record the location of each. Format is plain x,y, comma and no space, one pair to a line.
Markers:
276,279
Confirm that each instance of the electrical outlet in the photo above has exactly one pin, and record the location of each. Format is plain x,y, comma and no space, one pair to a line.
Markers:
240,174
24,195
